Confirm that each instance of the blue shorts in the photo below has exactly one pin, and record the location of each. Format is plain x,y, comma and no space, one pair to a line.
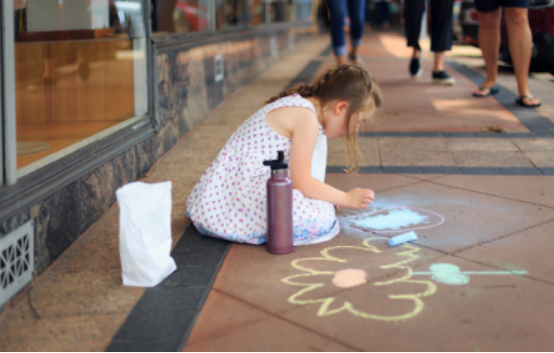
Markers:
491,5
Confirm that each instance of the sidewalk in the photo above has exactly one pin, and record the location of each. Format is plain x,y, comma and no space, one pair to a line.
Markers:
480,276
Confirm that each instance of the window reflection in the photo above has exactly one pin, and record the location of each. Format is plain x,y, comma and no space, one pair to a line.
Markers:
280,11
183,16
179,16
80,69
230,13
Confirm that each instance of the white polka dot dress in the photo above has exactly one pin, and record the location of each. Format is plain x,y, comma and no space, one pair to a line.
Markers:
229,201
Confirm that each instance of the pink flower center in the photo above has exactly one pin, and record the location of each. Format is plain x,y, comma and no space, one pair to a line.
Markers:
349,278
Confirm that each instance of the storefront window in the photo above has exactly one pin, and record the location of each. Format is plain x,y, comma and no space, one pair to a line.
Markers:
256,12
303,10
80,69
180,16
230,13
280,11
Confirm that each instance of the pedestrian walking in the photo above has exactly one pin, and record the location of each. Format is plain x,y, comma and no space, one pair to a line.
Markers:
382,7
356,11
441,36
520,43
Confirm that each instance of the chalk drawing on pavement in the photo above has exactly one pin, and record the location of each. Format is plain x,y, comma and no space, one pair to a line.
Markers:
394,220
404,256
451,274
402,284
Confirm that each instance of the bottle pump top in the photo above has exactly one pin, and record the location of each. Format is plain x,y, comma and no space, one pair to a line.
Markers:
279,163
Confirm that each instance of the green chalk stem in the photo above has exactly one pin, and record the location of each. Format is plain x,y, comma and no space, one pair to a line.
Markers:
516,273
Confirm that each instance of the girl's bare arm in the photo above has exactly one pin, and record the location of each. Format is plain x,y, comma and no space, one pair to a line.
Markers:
304,138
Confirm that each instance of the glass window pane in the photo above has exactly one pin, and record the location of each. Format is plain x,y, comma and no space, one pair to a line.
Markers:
304,10
256,12
180,16
280,11
230,13
80,69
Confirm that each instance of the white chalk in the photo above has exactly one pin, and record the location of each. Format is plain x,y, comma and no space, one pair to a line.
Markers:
402,238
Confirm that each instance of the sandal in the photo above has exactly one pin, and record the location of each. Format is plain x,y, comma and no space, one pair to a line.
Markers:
492,91
523,104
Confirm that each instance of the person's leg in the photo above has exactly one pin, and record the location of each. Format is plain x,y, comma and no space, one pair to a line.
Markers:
441,38
356,9
520,43
337,11
441,29
413,13
490,15
382,8
439,61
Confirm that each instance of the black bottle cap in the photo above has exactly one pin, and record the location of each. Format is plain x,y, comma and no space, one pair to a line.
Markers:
279,163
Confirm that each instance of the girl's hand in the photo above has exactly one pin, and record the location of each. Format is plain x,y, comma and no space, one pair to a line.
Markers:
359,198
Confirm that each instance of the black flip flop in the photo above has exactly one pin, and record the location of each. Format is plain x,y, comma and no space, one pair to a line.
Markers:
492,91
522,103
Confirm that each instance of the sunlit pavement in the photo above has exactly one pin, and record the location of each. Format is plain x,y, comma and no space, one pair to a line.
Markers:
479,277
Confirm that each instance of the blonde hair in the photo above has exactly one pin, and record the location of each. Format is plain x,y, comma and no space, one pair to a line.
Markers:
349,83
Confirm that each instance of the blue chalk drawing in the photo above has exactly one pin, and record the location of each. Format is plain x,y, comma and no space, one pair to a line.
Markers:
394,220
451,274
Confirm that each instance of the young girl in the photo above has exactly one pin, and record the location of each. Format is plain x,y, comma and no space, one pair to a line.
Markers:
229,201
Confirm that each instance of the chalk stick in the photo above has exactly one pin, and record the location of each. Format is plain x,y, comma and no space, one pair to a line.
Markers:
402,238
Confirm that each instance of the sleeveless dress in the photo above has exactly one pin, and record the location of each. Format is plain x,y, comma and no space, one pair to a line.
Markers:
229,201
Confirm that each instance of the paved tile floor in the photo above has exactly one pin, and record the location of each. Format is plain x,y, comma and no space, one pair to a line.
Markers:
480,276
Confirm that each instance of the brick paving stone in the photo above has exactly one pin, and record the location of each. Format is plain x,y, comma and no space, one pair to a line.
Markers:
535,144
523,188
457,144
542,159
528,250
491,159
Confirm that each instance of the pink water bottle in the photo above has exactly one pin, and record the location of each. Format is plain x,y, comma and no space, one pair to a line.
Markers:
279,207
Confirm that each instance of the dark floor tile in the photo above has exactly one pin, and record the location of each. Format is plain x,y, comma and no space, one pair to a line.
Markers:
193,239
335,170
326,52
457,134
144,346
307,74
439,170
424,134
369,134
190,276
164,299
489,135
394,134
479,171
547,171
370,170
199,256
518,171
521,135
399,170
155,326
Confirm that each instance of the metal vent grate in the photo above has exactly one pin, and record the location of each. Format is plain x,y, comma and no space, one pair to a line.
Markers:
16,260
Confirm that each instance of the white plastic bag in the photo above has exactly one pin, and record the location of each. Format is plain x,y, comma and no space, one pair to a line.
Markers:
145,233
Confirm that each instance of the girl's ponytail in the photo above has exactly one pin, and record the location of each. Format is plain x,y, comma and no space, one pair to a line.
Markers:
302,89
350,83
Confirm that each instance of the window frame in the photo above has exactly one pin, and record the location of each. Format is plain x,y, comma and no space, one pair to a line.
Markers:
9,144
8,138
